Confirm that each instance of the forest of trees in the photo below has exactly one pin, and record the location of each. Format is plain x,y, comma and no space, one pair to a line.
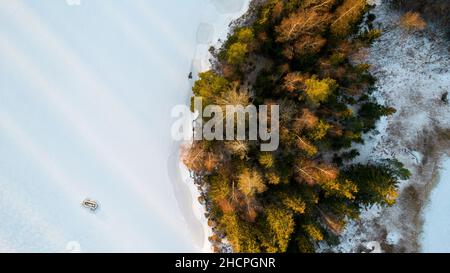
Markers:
296,54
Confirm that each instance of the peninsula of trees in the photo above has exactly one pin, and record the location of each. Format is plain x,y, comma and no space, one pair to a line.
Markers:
307,56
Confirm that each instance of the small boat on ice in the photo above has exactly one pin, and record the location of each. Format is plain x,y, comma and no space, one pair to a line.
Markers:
90,204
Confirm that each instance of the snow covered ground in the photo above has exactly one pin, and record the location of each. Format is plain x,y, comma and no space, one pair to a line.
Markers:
412,71
86,91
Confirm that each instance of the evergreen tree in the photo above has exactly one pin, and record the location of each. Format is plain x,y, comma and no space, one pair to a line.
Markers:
318,91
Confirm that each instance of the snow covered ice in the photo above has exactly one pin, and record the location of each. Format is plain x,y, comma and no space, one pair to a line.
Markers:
436,230
86,89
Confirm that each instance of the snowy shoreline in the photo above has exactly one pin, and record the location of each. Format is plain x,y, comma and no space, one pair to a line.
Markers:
188,192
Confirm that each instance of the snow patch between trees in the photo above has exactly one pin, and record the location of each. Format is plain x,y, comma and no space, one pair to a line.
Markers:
412,74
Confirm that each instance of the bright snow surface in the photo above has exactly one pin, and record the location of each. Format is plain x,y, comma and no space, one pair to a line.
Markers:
436,229
86,92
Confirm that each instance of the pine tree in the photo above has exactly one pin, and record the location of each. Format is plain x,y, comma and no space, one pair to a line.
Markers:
209,85
281,224
250,182
347,15
293,202
301,23
318,91
238,148
266,160
236,53
313,231
377,183
319,131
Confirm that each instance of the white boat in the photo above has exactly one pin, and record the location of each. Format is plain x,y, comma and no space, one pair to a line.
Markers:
90,204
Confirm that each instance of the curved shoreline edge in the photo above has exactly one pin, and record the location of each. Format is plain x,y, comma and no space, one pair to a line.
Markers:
186,191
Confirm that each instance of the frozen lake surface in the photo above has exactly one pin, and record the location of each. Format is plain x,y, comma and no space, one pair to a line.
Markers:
436,229
86,90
